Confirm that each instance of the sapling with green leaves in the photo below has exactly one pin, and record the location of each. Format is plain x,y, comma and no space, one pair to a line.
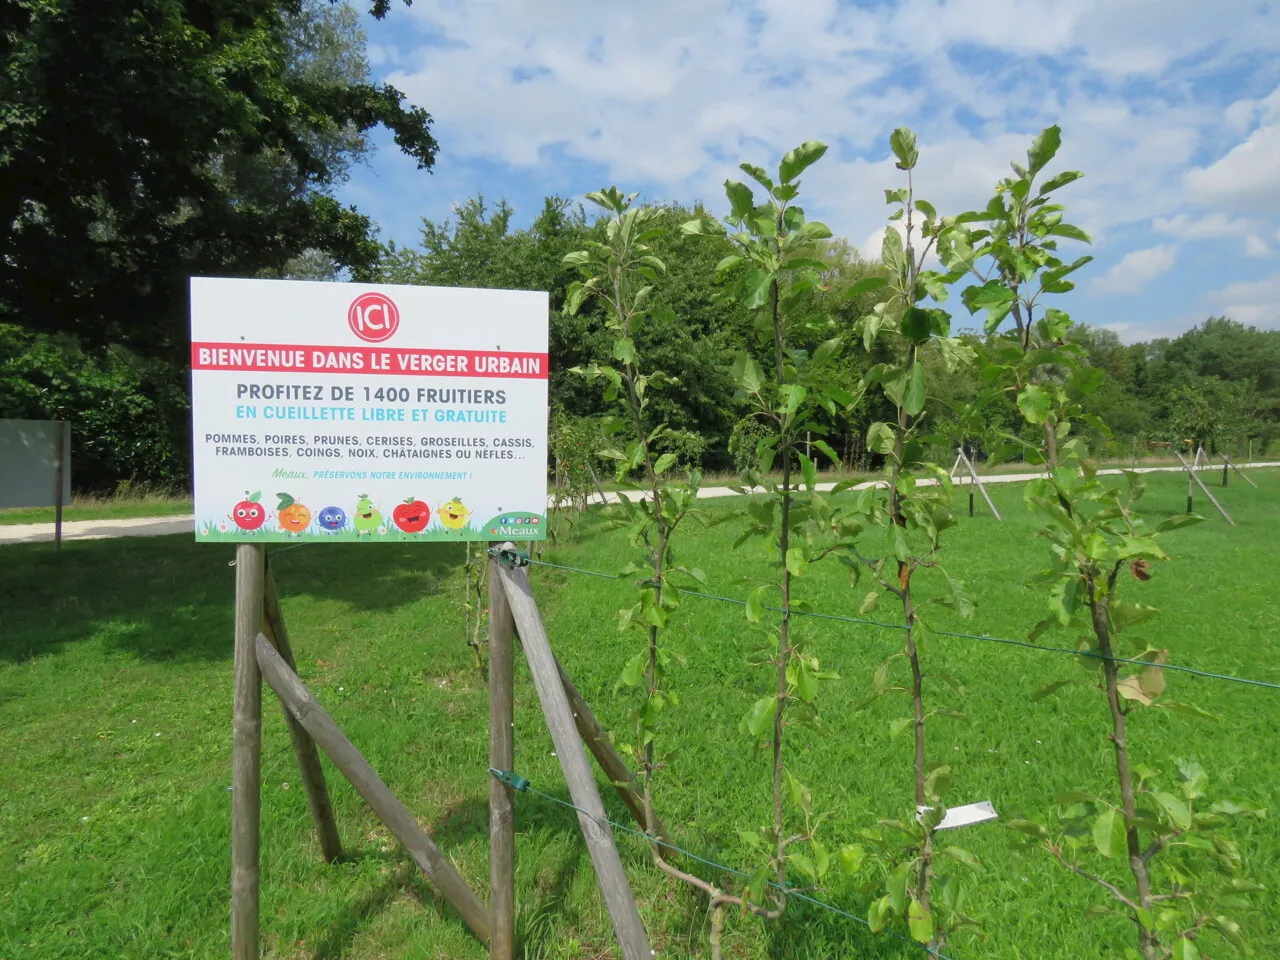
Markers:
1184,872
620,272
910,517
775,272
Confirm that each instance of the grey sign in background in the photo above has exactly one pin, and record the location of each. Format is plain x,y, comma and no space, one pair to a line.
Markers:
29,463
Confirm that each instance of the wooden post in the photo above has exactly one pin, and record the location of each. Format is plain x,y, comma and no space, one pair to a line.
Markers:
1244,476
355,768
601,747
246,753
612,877
973,474
1224,469
59,481
304,748
1205,490
502,838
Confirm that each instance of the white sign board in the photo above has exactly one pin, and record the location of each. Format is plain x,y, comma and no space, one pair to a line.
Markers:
339,412
30,463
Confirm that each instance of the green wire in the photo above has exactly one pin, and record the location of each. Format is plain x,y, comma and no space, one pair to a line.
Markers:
522,784
943,633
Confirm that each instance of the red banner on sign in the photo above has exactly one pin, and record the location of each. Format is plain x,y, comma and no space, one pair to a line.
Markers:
385,361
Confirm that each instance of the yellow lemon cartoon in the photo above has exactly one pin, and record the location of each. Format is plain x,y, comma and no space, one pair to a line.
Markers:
454,514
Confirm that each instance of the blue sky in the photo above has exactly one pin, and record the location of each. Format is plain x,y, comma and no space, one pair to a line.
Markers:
1171,108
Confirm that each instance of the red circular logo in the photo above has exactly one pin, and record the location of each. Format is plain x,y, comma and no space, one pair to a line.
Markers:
373,317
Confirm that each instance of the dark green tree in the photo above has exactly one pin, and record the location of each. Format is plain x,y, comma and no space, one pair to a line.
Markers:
144,141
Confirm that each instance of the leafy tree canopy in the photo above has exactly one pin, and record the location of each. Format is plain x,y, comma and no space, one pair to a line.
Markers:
145,141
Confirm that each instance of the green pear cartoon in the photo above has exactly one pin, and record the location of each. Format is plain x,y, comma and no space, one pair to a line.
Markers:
367,518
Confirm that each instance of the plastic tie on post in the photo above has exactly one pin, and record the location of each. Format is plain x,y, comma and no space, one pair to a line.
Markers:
509,557
510,778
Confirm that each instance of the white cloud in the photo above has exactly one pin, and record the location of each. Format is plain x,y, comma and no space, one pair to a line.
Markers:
1246,178
1255,246
671,96
676,95
1137,269
1254,302
1212,226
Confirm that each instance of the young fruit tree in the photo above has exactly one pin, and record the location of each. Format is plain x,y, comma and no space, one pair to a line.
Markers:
897,528
620,272
775,272
1158,825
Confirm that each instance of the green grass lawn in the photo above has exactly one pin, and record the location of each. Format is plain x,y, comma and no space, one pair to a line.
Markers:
115,710
97,508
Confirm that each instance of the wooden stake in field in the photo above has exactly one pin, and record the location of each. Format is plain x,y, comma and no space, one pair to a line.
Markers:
974,479
304,748
246,753
1193,476
614,885
502,843
1228,462
434,864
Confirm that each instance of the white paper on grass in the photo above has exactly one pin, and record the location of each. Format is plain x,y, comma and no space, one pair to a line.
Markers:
964,816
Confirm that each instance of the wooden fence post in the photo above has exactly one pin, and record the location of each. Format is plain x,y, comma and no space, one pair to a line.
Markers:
356,769
1205,490
246,753
304,748
502,843
974,478
612,877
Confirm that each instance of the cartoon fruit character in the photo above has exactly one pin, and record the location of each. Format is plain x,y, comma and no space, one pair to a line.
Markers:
454,514
292,516
249,514
367,518
411,516
332,519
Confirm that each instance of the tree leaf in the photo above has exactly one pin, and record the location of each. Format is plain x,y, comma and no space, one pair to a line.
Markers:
896,886
903,144
1130,688
913,399
760,716
1059,180
740,200
747,374
1034,403
1190,709
878,914
916,324
1050,688
795,561
919,922
1177,809
896,727
866,285
961,855
1043,148
852,857
1109,833
1184,949
1029,827
795,161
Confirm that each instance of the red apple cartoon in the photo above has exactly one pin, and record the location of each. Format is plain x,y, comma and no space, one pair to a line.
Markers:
249,514
411,516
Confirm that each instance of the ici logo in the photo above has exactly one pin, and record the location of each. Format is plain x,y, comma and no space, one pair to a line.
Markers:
373,317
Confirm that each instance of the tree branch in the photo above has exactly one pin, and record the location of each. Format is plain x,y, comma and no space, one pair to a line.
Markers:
1115,891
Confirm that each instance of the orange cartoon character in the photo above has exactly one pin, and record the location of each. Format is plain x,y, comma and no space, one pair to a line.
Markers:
293,517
